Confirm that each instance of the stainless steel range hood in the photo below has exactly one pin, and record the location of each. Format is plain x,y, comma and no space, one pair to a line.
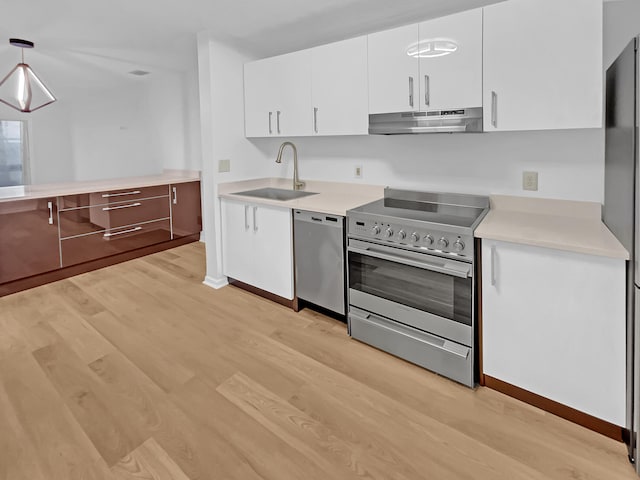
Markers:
460,120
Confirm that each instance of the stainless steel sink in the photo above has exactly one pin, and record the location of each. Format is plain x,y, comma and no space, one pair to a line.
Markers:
275,193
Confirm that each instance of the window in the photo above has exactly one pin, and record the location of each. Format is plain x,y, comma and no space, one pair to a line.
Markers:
14,153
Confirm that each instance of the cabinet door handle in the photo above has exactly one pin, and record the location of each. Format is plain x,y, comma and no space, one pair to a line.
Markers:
493,265
107,195
246,217
106,209
278,121
494,109
270,130
411,91
427,90
107,235
255,222
315,119
175,195
50,207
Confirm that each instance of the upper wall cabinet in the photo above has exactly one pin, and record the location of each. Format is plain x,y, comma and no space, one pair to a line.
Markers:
277,95
543,65
319,91
434,65
340,104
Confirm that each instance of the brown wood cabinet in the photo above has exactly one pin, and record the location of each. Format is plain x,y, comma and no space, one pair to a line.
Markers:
186,211
39,243
29,243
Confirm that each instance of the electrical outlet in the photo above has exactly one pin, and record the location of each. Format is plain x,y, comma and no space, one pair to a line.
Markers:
224,166
357,171
530,181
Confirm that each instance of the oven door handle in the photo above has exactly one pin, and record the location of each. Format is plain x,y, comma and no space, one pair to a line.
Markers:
458,271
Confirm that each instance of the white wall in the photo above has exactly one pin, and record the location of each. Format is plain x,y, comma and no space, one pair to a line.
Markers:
137,126
621,24
222,128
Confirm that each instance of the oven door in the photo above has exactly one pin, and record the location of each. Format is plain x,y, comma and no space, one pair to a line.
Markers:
423,291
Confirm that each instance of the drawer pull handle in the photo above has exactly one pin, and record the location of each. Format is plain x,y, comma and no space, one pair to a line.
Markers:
106,209
108,195
107,235
50,207
175,195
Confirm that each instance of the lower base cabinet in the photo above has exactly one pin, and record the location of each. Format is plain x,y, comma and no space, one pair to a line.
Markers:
553,323
257,246
28,238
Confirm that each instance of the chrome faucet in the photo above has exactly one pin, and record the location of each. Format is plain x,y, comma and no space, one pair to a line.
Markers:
297,183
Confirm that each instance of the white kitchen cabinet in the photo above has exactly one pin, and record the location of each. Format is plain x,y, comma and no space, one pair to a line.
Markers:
553,323
393,74
277,96
340,103
453,80
412,68
257,246
542,65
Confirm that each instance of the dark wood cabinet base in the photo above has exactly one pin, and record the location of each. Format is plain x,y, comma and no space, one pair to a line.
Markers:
55,275
592,423
292,304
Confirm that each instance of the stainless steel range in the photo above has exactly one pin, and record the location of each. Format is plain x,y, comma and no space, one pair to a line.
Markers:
411,278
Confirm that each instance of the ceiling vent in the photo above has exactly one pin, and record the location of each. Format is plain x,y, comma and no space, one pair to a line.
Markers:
139,73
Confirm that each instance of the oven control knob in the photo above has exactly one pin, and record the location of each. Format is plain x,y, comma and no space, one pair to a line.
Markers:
375,229
389,233
415,237
401,235
443,242
428,240
458,245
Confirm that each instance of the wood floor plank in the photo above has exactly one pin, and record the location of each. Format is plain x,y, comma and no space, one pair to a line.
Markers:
150,462
63,450
197,450
145,354
308,436
92,405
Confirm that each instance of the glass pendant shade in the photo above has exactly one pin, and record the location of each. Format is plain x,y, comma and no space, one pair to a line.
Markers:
21,88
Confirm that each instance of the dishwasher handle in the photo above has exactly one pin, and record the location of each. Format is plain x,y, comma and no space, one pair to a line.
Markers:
336,221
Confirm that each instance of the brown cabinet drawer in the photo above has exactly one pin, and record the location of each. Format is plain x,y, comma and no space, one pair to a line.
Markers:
98,245
80,221
112,196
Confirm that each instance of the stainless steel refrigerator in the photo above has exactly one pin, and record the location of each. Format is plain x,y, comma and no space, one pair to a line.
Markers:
621,209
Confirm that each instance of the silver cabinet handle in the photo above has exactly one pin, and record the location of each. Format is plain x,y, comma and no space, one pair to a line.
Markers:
106,209
427,90
255,223
175,195
494,109
107,235
270,130
50,206
278,121
493,265
411,91
246,217
315,119
107,195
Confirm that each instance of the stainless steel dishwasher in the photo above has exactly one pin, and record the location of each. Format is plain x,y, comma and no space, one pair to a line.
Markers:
319,259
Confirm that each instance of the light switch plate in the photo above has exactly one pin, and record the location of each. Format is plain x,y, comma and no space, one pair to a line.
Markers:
357,171
224,166
530,181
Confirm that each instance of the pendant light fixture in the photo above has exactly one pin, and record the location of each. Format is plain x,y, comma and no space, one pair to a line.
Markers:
21,88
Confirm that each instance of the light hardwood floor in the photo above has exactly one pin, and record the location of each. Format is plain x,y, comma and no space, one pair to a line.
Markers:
138,371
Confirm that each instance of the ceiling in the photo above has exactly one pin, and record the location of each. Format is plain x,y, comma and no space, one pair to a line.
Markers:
95,44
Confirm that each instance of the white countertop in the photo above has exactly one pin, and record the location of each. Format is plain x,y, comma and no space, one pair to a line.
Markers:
559,224
332,197
28,192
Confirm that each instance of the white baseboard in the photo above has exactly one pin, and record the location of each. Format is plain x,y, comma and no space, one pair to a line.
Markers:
215,282
202,236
